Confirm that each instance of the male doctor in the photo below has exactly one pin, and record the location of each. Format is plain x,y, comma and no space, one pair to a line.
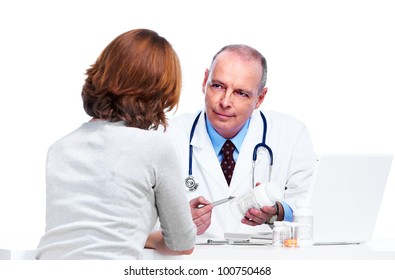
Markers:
234,88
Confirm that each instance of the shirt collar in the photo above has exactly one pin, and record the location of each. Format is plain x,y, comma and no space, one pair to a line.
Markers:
218,141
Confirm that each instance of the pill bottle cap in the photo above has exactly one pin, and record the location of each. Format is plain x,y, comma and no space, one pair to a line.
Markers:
268,194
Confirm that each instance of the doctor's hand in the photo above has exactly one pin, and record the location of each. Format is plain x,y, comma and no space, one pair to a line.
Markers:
255,217
201,210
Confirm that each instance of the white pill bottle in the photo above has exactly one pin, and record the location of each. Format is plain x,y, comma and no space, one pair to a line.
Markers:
262,195
303,217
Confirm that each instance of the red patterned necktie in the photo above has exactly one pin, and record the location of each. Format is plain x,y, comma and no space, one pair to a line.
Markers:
228,163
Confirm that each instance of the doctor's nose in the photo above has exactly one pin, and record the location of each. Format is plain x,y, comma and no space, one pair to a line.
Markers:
226,99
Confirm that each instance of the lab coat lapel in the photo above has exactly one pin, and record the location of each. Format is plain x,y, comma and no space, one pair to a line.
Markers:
204,153
243,171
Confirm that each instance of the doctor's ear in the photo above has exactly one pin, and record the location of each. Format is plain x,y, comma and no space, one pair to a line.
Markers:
205,79
261,97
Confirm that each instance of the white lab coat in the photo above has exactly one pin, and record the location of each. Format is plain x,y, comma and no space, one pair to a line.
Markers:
292,169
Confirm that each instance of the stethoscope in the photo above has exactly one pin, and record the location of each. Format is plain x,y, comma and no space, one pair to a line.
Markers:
192,184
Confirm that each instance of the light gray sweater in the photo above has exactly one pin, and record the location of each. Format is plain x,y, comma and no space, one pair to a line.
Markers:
106,186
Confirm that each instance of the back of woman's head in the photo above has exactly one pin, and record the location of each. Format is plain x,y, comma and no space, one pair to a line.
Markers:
136,79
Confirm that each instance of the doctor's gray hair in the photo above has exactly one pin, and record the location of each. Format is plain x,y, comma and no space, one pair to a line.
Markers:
247,52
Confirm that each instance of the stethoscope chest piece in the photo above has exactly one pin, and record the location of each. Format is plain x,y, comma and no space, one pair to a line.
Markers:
191,183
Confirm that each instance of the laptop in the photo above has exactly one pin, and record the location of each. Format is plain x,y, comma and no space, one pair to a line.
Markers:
347,191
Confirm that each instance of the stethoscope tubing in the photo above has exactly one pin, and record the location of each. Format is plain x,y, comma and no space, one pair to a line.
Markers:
190,143
263,143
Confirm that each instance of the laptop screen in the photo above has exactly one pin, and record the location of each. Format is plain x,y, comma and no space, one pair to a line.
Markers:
346,194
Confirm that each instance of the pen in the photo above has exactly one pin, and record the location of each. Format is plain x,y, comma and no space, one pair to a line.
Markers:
219,202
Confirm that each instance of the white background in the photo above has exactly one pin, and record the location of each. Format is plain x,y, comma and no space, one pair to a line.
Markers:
331,64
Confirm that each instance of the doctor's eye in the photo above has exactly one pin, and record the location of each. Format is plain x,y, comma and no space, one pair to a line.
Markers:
216,86
242,94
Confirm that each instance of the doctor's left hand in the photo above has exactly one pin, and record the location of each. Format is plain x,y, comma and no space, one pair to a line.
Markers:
201,215
255,217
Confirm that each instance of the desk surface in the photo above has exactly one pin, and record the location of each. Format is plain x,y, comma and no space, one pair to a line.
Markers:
377,249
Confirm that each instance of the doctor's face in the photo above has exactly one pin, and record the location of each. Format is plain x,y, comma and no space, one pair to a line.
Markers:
232,93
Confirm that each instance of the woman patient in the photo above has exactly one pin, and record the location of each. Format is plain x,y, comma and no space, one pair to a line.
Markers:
108,181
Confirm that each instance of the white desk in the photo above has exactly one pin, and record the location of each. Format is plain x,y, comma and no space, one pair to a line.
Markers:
17,254
377,249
